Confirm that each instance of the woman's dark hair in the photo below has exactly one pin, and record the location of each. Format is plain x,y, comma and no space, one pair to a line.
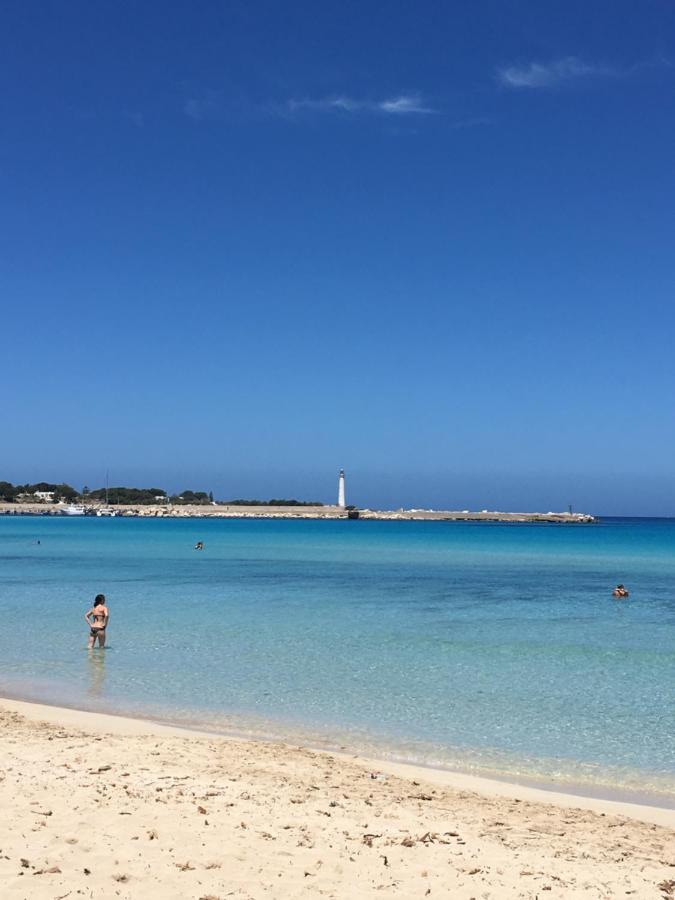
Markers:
100,598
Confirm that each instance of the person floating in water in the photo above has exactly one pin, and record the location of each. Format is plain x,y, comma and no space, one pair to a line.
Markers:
97,620
620,592
199,545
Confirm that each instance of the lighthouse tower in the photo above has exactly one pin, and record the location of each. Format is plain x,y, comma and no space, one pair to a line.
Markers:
341,489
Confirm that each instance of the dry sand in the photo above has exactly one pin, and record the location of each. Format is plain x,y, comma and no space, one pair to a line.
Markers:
100,806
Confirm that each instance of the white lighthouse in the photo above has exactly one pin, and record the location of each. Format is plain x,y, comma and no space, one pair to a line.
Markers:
341,489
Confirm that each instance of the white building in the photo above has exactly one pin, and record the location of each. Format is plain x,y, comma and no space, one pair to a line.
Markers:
44,496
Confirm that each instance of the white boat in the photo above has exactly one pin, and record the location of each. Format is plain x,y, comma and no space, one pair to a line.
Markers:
106,511
72,510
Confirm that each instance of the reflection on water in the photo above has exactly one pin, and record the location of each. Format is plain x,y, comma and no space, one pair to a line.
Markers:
96,671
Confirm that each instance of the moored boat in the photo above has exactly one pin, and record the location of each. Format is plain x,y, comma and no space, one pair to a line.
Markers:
73,509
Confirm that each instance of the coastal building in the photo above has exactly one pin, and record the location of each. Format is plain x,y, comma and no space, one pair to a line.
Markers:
44,496
341,489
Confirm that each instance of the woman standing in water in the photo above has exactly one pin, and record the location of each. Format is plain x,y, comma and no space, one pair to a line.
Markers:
97,620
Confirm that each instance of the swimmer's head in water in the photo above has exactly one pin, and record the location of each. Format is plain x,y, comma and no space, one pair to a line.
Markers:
100,599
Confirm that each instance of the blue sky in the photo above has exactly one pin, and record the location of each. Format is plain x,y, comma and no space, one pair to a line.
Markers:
244,244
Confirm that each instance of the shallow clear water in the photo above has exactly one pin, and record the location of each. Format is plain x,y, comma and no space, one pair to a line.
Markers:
491,648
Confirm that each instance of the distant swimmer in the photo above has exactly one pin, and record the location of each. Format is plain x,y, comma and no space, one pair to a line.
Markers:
620,592
97,620
199,545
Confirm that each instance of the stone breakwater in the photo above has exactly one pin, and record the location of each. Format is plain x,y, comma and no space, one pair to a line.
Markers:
298,512
483,516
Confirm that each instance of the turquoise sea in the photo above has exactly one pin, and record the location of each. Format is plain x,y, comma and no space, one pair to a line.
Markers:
494,649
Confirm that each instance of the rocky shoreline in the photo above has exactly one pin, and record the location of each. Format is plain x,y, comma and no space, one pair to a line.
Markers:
167,511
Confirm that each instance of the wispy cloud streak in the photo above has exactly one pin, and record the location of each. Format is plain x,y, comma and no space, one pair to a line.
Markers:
200,108
405,105
543,75
401,105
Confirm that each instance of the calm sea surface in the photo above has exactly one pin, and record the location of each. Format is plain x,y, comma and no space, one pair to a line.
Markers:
490,648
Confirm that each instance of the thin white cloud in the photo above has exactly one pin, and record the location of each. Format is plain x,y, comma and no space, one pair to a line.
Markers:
404,105
401,105
325,104
200,108
543,75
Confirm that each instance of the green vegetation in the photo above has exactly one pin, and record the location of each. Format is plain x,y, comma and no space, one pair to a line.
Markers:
12,493
7,491
201,498
271,503
124,495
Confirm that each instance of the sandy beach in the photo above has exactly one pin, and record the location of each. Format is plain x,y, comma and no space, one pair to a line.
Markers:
101,806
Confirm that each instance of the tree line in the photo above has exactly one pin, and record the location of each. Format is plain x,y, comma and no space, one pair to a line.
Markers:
12,493
16,493
272,503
